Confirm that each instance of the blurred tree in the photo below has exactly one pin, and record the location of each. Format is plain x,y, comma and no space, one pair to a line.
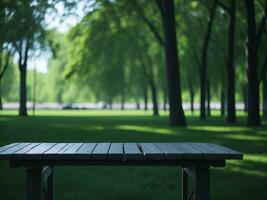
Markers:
177,117
9,83
264,88
254,36
115,54
4,63
231,9
24,22
5,40
231,115
167,12
203,64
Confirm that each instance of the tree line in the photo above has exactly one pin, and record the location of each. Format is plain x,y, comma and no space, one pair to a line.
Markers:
122,49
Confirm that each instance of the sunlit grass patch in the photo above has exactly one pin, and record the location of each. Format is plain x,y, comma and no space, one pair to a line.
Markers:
145,129
252,138
262,132
247,166
239,180
223,129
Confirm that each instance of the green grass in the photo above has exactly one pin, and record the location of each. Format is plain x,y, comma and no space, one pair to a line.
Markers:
239,180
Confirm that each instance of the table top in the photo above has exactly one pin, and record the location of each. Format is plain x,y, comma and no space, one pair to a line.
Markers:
117,151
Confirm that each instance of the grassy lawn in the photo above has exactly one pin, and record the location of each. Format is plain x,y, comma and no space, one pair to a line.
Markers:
240,180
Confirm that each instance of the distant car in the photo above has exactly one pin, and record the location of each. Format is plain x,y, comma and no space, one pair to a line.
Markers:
68,107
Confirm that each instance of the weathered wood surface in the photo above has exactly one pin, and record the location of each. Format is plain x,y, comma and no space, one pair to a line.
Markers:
196,156
117,151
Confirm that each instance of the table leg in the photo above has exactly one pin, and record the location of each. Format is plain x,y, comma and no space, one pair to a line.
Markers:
184,184
40,184
34,183
202,183
50,185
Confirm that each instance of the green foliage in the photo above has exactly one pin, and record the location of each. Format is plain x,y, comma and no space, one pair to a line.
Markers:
10,83
112,53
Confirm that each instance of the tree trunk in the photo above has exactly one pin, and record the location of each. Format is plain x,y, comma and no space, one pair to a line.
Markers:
264,92
110,103
203,65
1,61
208,99
123,101
1,104
252,52
23,91
165,99
222,103
145,98
231,113
192,95
154,98
137,105
177,117
245,97
22,63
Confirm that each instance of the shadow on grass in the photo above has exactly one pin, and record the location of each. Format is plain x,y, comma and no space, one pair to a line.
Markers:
239,180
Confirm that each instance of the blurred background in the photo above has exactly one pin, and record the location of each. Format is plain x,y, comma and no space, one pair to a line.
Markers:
110,54
136,71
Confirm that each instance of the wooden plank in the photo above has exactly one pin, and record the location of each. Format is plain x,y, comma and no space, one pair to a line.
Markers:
3,148
15,148
118,151
151,151
187,151
27,148
20,153
8,152
87,148
41,148
38,151
73,149
56,148
70,152
101,151
132,151
232,153
213,151
170,152
209,152
115,151
69,145
85,152
53,153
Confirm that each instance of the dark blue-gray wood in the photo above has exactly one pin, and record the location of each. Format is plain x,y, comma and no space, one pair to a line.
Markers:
184,185
123,152
151,151
132,152
195,159
115,151
202,183
40,183
101,151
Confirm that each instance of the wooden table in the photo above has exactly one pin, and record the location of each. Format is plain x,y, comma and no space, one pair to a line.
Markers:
194,158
